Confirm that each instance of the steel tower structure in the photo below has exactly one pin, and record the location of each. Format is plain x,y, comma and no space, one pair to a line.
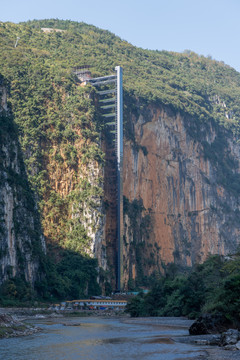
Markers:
110,92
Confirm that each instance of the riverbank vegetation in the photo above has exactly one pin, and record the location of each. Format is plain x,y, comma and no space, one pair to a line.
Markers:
212,287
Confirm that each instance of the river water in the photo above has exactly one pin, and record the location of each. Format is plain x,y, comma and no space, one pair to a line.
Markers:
103,339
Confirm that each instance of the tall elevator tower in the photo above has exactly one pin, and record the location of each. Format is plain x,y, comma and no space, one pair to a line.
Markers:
110,92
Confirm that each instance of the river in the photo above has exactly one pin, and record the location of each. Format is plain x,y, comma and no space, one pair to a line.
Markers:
96,338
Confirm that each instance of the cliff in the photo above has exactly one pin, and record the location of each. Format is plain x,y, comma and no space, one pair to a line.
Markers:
181,154
21,240
180,179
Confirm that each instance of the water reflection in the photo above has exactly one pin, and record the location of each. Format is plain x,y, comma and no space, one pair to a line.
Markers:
95,339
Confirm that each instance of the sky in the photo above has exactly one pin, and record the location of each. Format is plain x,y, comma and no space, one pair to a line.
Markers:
207,27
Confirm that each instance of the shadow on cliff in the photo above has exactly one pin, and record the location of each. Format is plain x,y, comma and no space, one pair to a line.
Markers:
72,276
29,272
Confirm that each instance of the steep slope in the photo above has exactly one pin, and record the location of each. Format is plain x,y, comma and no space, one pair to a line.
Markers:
21,240
60,143
181,162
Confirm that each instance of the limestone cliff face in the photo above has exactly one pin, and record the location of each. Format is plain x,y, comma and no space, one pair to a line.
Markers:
175,185
78,189
21,241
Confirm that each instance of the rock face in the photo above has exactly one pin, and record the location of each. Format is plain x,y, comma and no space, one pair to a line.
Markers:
21,240
174,169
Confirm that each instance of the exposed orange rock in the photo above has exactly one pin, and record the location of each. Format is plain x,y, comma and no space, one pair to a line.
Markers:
177,184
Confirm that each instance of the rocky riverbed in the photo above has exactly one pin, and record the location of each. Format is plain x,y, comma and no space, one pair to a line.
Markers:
222,346
13,321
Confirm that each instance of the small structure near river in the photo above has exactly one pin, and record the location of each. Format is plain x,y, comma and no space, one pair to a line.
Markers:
91,304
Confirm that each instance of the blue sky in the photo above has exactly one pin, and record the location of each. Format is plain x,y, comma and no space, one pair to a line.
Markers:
208,27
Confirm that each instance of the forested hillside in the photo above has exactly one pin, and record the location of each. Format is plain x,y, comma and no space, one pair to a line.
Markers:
59,129
189,82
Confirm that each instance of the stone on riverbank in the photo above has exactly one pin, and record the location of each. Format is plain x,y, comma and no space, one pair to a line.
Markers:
228,340
230,337
207,325
11,327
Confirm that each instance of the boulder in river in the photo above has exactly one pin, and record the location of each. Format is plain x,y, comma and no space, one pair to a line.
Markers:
230,337
209,324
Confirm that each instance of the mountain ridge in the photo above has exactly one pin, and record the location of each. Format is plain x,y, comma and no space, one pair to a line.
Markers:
177,95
